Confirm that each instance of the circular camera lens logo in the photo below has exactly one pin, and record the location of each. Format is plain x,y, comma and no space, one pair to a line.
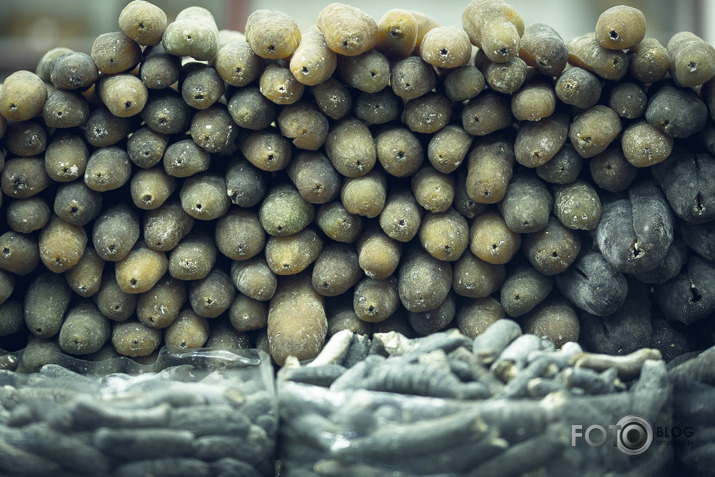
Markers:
634,435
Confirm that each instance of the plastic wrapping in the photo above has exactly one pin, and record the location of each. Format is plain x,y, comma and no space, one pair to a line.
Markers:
693,436
339,428
519,407
191,412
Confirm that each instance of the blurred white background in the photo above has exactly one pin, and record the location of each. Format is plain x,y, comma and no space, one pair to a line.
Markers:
28,28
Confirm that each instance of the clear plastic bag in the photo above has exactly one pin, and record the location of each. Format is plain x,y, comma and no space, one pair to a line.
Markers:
693,433
191,412
359,429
